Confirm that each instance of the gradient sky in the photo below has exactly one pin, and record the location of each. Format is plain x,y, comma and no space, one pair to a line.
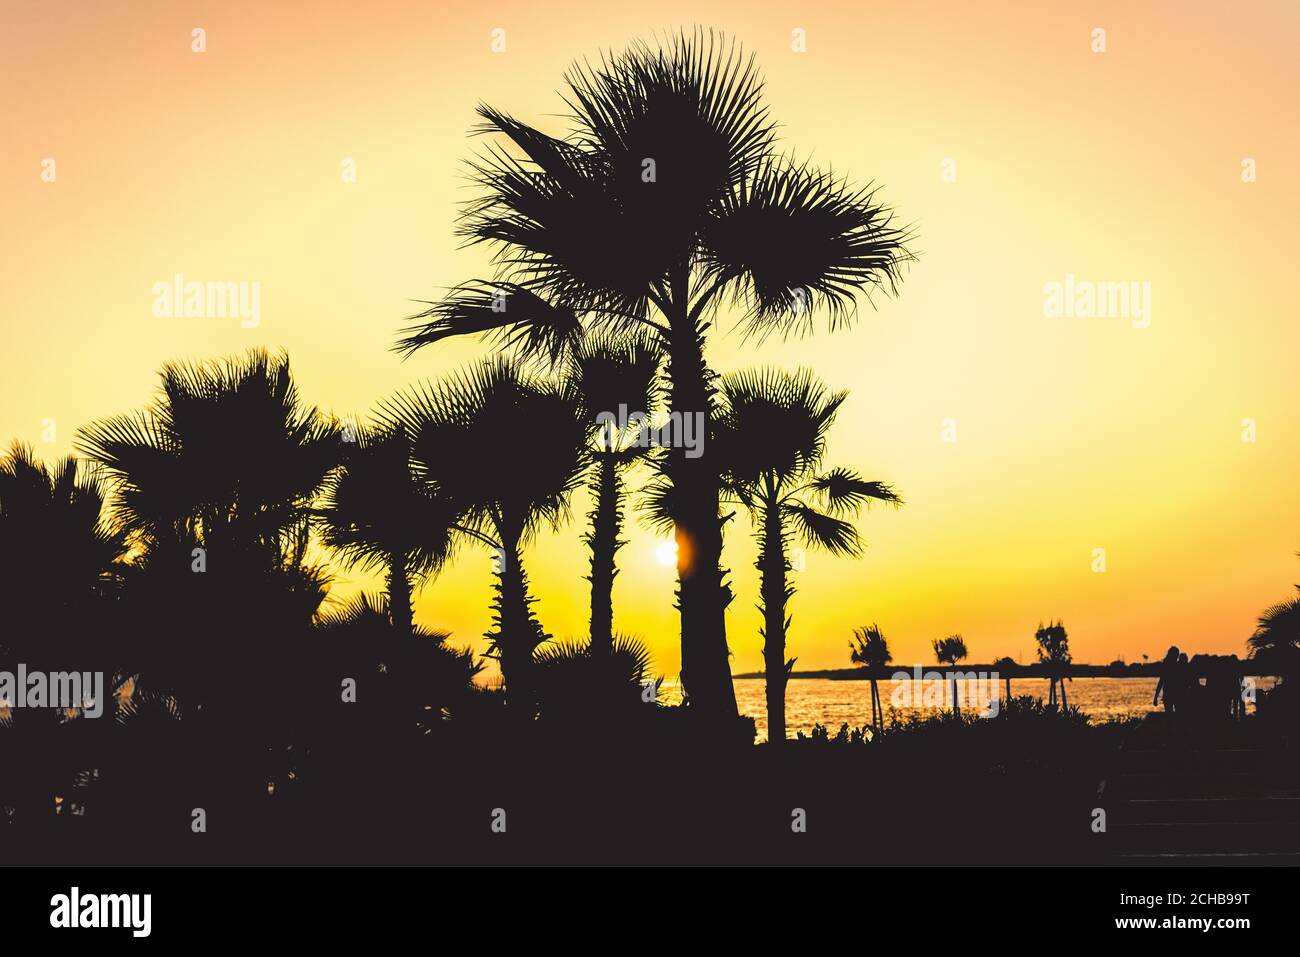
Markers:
1071,434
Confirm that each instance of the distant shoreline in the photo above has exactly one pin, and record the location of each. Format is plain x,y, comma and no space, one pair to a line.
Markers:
1145,670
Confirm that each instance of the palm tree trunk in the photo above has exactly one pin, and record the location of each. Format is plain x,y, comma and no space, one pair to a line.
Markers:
956,704
518,632
774,593
701,596
1064,703
399,596
875,704
606,523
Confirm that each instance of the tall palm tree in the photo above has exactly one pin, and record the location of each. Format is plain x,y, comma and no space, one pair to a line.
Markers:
379,514
614,378
949,651
1054,651
505,450
665,199
772,430
870,649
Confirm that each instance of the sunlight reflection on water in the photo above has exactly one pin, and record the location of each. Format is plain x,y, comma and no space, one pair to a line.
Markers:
810,701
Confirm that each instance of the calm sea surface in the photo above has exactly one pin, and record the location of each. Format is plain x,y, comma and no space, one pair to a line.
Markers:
810,701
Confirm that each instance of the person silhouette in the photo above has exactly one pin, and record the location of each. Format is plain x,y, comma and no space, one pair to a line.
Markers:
1168,670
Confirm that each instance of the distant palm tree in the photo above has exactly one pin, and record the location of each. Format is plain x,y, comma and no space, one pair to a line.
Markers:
949,651
380,514
1054,651
1005,665
505,450
667,194
771,439
870,650
614,378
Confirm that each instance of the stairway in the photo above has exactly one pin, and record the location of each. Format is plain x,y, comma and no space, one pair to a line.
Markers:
1225,793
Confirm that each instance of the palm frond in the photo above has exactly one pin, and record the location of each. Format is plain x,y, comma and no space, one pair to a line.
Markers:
823,531
789,240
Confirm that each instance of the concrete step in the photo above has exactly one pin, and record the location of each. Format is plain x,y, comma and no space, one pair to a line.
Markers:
1269,837
1282,808
1192,784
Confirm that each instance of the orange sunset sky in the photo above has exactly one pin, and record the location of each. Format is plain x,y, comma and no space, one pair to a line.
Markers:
1072,434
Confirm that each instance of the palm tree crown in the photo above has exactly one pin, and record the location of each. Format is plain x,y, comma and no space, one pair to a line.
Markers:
379,514
771,438
504,450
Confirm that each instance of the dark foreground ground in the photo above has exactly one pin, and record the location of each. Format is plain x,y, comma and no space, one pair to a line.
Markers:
1017,789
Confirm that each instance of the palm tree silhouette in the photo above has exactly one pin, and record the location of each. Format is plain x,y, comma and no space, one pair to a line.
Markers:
1277,633
505,450
228,458
215,485
1054,650
610,374
419,675
60,572
772,438
378,513
218,476
870,649
949,651
587,692
667,193
1006,664
59,555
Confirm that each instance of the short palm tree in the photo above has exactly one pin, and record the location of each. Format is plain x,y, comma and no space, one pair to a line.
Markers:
949,651
378,513
665,199
772,430
588,691
1277,633
227,458
505,450
1278,627
615,381
413,674
59,552
1054,651
220,475
61,564
870,649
